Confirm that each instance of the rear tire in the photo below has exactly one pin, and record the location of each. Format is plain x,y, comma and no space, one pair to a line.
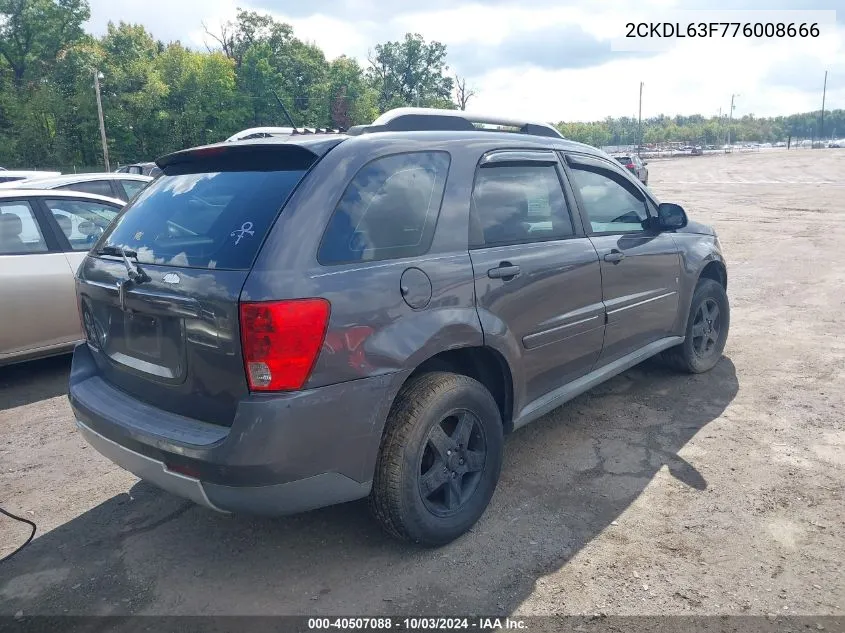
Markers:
706,331
440,459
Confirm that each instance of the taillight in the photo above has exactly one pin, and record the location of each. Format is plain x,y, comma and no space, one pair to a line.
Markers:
281,341
630,165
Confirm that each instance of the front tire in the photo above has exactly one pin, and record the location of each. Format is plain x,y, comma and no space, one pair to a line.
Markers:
440,459
706,331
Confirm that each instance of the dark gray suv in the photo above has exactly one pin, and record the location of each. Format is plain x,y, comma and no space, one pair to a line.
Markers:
282,324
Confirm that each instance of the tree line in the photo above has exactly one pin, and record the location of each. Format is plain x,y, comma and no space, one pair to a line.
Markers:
714,130
159,97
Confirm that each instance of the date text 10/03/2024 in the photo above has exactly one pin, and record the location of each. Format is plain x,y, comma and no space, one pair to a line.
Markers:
416,624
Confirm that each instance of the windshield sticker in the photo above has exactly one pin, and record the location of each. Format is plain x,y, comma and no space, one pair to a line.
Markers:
246,229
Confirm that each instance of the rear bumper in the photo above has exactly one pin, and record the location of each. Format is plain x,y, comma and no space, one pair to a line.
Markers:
283,453
286,498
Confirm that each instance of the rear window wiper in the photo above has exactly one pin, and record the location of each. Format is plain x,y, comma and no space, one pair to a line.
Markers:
135,272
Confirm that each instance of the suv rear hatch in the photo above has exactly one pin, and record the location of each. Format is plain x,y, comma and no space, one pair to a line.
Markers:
159,292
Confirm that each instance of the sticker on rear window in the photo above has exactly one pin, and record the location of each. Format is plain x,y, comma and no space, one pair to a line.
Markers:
246,229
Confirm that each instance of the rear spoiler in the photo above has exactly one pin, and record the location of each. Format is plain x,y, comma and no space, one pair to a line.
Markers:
258,155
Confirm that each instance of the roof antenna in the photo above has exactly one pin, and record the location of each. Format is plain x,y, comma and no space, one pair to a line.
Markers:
284,109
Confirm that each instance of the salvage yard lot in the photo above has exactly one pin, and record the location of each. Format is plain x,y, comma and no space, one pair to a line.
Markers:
655,493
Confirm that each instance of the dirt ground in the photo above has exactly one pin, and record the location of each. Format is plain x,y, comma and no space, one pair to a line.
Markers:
655,493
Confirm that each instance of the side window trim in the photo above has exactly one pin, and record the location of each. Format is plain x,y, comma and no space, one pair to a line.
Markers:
502,157
56,240
572,162
512,157
117,189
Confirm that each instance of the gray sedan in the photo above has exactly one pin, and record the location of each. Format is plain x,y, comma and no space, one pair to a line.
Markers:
44,236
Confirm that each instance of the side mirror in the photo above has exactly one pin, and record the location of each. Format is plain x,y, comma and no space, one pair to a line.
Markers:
671,216
645,162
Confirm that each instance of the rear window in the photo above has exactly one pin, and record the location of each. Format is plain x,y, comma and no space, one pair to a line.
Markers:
203,220
623,159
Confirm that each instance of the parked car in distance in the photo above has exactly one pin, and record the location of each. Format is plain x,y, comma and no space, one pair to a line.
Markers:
834,144
277,325
635,165
111,185
260,132
10,176
144,169
44,236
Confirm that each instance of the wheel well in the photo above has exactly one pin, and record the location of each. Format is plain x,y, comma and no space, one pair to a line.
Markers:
483,364
717,272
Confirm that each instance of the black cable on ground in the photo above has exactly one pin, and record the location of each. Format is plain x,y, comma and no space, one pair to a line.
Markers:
28,541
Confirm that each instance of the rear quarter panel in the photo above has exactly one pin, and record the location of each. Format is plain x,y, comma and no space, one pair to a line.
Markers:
372,331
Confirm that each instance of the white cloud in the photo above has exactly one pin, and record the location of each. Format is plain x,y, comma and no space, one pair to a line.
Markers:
529,78
167,20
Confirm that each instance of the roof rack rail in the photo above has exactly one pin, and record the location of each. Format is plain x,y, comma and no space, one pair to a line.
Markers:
428,119
317,130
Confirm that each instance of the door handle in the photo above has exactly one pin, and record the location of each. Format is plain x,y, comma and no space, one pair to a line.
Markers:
614,256
505,270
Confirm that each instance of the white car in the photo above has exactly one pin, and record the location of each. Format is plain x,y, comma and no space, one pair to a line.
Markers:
44,236
11,176
260,132
111,185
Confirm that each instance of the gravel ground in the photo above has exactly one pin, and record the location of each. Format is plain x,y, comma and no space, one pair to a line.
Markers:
655,493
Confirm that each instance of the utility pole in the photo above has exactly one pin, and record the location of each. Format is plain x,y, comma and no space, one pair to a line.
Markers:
824,94
97,76
640,122
731,116
719,127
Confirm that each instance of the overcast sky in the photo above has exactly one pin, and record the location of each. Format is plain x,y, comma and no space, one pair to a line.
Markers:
554,59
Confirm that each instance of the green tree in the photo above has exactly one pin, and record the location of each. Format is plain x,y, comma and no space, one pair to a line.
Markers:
201,105
270,61
32,32
133,91
352,100
411,72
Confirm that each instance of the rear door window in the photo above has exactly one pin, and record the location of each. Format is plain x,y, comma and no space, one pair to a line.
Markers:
516,204
215,219
98,187
388,211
